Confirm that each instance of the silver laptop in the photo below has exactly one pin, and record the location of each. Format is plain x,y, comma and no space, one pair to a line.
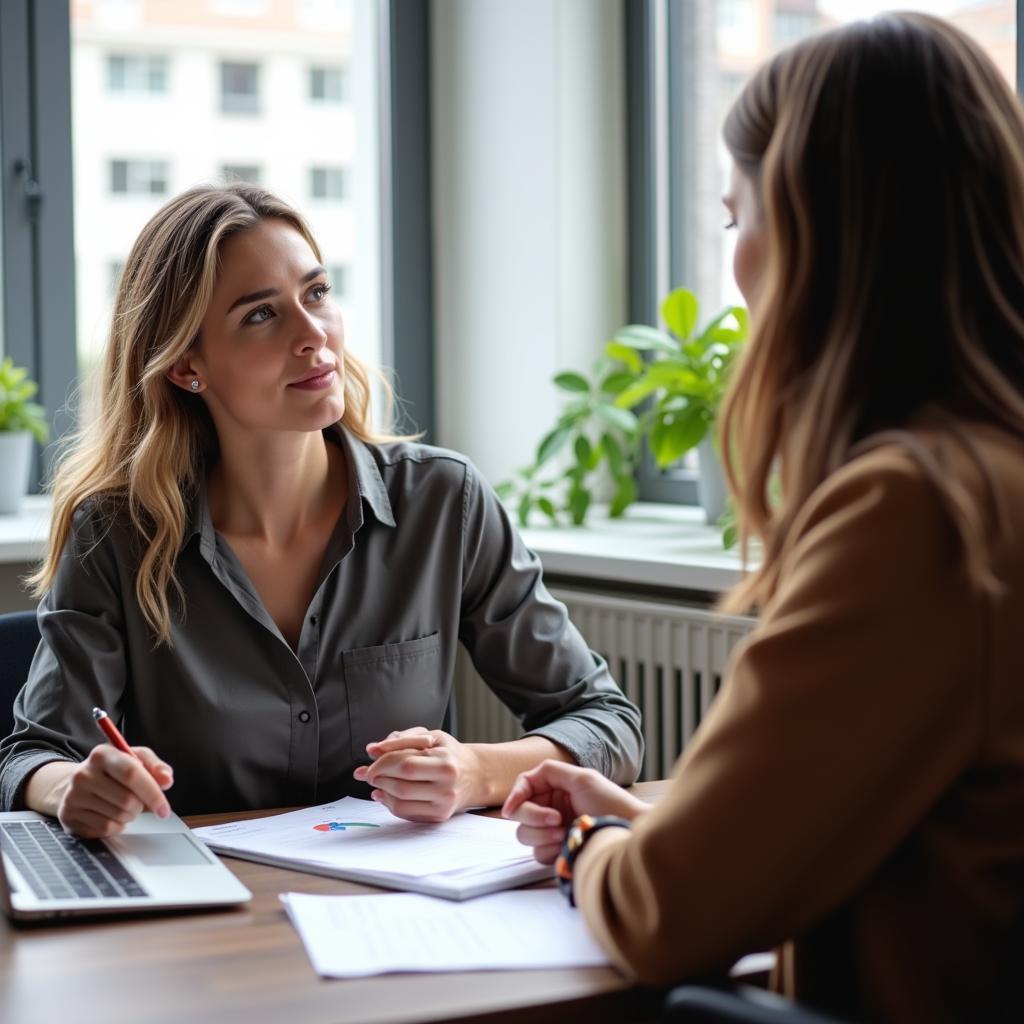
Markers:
154,864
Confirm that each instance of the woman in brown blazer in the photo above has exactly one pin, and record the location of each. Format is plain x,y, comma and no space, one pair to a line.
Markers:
856,795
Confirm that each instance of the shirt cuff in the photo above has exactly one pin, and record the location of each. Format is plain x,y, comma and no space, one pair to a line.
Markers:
587,748
16,772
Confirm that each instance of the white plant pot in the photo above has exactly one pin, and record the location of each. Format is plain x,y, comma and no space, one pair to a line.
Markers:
15,463
711,484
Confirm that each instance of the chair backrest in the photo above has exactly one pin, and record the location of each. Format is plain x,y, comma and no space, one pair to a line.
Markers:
19,638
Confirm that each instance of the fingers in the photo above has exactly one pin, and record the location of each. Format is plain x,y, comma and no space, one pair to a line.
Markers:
413,741
536,837
133,775
159,769
549,777
437,765
536,815
433,809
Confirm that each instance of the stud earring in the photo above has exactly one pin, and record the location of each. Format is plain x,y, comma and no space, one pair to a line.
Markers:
195,385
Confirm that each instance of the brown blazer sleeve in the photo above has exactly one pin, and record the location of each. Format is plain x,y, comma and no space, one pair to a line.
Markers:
845,716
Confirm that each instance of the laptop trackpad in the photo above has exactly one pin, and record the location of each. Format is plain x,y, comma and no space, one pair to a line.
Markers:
160,850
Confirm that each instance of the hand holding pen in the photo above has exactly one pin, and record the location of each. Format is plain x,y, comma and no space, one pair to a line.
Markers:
113,785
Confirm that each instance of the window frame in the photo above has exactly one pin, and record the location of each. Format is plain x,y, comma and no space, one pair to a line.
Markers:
37,245
658,108
36,156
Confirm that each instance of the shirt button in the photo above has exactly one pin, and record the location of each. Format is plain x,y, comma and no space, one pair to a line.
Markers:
303,716
312,620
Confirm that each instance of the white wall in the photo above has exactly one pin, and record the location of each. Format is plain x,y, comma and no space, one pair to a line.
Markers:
529,212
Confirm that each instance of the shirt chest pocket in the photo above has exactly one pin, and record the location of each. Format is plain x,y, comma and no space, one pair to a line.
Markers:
394,686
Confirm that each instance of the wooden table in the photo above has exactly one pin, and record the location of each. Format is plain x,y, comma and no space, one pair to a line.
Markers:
248,966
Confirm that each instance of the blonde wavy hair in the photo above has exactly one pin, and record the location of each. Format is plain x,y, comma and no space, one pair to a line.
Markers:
888,158
147,445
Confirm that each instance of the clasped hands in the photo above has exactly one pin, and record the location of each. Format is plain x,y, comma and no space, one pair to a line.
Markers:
427,775
423,774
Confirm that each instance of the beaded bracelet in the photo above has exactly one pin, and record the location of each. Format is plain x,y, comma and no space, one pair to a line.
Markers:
575,839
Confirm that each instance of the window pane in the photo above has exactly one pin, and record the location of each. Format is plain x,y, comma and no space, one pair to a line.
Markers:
733,38
714,47
239,88
326,85
327,183
160,91
240,172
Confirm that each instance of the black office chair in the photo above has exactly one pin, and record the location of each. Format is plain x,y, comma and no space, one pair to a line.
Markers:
19,638
741,1004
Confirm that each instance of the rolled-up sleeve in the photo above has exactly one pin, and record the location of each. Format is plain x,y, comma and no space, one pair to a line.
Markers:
529,653
79,664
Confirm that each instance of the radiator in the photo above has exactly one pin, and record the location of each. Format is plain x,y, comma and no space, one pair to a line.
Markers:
669,658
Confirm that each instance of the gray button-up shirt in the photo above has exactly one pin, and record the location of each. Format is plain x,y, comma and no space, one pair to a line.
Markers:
423,557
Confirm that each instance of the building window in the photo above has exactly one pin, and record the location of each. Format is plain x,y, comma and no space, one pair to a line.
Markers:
139,177
338,275
141,73
239,88
327,85
328,182
240,172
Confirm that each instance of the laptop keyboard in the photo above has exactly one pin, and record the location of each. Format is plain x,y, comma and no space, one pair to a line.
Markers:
59,866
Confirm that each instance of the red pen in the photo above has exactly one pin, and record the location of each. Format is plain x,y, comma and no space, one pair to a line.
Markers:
111,731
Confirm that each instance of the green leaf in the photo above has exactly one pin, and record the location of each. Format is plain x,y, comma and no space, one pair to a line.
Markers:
645,339
547,506
621,419
583,451
676,433
579,502
677,375
625,354
625,495
553,443
635,393
613,453
505,490
571,382
679,311
730,536
614,383
525,504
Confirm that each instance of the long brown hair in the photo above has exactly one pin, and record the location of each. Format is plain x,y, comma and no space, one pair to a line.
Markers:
149,440
888,158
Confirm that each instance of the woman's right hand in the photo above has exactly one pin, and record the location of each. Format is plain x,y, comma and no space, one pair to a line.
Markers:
547,799
110,788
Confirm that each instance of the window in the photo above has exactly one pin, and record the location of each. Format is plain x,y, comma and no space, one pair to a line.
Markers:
327,182
326,85
790,25
115,268
239,88
240,172
125,169
133,73
139,177
689,59
338,275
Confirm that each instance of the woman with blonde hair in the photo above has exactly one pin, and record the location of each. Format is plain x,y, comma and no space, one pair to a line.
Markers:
257,586
856,795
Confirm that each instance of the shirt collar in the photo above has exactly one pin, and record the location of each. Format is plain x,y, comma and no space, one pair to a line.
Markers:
364,479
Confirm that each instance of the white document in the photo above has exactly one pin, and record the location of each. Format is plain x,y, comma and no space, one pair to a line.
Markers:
364,842
354,936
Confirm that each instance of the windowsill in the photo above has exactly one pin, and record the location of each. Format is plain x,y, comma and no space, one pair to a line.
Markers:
22,536
653,545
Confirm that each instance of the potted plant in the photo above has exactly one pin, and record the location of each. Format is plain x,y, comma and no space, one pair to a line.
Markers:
21,420
662,387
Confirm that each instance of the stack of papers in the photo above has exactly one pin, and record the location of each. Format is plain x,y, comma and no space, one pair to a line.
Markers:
362,841
353,936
